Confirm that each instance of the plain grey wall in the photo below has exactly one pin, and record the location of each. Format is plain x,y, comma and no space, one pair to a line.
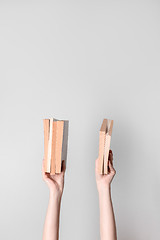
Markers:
82,61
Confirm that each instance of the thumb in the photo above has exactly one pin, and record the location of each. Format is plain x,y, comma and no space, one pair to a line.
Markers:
111,168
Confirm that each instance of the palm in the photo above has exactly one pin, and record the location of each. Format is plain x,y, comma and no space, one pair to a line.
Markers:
54,182
103,180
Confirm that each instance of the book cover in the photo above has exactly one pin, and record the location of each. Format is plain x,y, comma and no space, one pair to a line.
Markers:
101,145
55,144
107,144
104,145
46,139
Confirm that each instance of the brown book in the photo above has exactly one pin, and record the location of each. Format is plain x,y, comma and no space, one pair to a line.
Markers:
59,141
50,145
101,145
107,144
55,144
46,138
104,145
53,156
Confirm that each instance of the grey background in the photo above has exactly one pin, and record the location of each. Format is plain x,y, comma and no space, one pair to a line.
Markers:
82,61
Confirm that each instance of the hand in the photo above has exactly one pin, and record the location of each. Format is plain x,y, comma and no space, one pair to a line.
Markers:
104,181
55,182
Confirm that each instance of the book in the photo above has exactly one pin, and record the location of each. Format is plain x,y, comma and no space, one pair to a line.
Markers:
104,145
59,140
46,137
49,145
53,160
55,144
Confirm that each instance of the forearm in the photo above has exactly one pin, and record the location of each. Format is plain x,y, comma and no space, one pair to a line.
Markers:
107,220
51,226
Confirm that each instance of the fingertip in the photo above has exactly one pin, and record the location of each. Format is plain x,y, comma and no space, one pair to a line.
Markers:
112,168
97,160
43,164
42,168
96,163
110,152
110,164
63,166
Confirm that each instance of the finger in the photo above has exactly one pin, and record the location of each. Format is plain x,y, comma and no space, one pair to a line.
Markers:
97,170
111,168
111,151
47,174
44,174
63,166
96,166
43,171
43,164
110,157
48,180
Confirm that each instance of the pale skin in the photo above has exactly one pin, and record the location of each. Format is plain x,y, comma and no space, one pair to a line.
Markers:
107,220
56,185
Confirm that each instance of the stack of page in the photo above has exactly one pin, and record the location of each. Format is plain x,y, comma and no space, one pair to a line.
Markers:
104,145
55,144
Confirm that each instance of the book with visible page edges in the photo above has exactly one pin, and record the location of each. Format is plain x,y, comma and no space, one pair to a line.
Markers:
53,161
46,138
107,144
104,145
55,144
59,140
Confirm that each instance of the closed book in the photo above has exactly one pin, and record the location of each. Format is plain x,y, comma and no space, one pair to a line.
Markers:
46,139
107,144
53,156
55,144
104,145
102,133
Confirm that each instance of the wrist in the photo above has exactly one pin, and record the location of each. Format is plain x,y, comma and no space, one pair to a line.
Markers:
55,195
104,190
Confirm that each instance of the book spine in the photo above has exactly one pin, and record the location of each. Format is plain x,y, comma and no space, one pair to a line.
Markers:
46,139
59,138
49,145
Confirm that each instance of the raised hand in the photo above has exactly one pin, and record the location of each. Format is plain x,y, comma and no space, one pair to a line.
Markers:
107,220
55,182
103,181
